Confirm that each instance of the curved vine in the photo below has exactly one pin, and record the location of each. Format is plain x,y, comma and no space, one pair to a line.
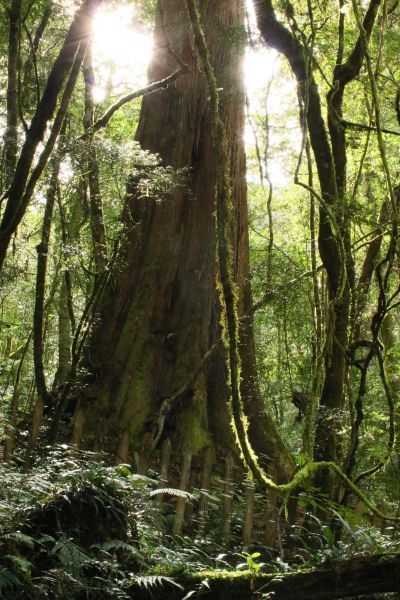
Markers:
225,259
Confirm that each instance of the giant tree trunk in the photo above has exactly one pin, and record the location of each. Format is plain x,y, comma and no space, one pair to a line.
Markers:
160,313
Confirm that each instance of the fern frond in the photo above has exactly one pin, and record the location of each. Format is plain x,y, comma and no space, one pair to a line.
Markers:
172,492
152,581
22,565
58,580
119,545
19,538
8,579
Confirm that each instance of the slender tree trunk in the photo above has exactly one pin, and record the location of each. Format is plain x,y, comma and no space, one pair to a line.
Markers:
165,460
30,80
227,499
205,484
10,148
11,424
64,336
181,502
41,274
249,500
43,394
22,186
328,143
93,176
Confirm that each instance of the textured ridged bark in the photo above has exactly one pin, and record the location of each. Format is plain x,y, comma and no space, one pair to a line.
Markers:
93,176
162,312
64,336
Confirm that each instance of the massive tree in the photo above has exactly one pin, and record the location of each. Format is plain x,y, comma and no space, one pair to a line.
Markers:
155,365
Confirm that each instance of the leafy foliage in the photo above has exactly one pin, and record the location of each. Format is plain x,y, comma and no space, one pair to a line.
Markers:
81,517
73,527
43,558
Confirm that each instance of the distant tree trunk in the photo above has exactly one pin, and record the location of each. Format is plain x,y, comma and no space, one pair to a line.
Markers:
43,394
93,176
11,135
23,184
64,336
30,86
160,314
11,423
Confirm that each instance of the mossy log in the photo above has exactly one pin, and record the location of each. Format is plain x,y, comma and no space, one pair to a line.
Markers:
361,577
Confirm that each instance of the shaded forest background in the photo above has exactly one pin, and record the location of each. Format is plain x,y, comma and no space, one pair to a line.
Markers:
199,294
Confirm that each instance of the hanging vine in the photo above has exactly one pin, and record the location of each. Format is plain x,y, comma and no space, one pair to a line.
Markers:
223,193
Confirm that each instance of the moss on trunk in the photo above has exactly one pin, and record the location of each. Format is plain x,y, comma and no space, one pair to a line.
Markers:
160,314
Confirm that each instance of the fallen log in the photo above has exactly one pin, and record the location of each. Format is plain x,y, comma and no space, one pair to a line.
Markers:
361,577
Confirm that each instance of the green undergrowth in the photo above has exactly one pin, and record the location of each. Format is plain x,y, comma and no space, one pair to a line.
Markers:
75,528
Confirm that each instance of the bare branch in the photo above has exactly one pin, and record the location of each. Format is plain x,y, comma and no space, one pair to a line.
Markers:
149,89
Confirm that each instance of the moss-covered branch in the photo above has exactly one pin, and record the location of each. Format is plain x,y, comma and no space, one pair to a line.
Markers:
223,194
225,256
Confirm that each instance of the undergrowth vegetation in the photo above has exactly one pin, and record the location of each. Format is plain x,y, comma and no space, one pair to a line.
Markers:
76,528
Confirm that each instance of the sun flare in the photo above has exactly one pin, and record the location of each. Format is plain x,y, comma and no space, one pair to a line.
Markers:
122,50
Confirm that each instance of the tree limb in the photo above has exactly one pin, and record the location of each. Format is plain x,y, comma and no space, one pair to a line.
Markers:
152,87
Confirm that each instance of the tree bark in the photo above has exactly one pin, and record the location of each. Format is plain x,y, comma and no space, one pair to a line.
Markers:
93,175
30,80
161,313
10,148
64,336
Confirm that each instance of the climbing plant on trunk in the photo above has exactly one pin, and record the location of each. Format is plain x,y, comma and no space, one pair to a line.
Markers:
156,344
328,140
